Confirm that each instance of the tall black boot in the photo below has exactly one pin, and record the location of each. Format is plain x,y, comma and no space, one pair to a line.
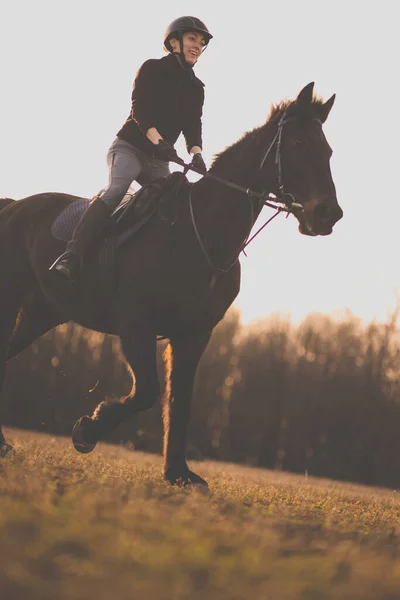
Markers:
90,226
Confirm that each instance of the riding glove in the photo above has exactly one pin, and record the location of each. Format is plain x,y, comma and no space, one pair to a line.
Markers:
198,163
164,151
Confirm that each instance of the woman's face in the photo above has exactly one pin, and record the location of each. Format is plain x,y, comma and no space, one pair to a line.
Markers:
193,44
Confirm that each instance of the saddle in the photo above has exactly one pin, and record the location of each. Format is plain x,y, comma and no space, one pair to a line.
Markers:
163,196
131,214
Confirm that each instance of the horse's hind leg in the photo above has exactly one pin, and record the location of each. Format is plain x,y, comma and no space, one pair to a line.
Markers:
10,310
20,326
139,346
182,357
34,320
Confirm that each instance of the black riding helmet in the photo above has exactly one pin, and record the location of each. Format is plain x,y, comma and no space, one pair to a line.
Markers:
179,26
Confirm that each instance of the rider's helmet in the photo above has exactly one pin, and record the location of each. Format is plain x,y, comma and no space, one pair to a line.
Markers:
179,26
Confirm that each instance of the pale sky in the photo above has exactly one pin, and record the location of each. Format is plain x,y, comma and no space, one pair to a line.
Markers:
67,70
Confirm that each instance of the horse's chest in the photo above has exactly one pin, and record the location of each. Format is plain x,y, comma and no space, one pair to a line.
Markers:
190,301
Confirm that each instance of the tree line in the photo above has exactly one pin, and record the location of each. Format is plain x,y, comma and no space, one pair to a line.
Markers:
321,397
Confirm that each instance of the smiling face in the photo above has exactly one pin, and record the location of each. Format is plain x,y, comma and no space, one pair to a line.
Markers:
192,46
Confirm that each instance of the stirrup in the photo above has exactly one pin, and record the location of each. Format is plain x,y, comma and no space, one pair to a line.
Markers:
67,264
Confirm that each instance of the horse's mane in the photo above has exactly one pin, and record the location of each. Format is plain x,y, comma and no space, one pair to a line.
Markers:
277,109
274,114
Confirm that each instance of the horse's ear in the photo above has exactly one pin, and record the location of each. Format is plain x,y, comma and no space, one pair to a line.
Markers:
325,109
306,94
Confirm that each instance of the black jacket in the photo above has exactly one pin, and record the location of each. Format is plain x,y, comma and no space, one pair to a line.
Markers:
168,97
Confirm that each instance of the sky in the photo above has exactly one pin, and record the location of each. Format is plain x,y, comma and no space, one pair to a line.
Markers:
67,70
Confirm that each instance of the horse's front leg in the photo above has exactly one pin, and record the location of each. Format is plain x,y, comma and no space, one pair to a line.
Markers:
139,347
182,357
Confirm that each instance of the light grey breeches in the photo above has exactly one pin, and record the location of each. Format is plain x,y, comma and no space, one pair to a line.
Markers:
125,165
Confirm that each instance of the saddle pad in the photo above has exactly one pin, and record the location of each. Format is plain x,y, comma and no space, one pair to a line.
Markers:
143,203
65,223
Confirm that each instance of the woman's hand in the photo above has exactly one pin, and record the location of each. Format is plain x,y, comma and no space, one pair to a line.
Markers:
164,151
198,163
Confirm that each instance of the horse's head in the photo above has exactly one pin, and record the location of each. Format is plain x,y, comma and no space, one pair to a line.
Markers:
302,156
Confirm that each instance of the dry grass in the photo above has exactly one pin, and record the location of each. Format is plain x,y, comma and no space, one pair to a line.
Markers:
78,527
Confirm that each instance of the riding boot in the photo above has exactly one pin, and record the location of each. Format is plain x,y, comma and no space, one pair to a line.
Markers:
90,226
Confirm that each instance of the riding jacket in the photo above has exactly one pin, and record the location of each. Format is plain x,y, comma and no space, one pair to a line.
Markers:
170,98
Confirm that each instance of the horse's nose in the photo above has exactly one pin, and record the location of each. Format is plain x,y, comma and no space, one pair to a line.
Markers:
322,213
337,213
325,213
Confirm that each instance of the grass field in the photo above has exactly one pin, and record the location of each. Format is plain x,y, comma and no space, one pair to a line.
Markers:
105,525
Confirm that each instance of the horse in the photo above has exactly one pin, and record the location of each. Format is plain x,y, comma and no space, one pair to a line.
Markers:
176,277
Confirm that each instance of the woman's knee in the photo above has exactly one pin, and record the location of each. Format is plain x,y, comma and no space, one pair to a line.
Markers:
124,167
113,194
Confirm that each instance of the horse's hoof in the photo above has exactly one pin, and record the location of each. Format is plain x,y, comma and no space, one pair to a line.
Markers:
79,439
5,449
185,479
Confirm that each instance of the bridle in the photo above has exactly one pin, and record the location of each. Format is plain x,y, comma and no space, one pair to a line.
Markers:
278,161
287,200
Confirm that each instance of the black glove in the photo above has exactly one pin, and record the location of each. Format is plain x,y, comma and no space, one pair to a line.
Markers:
198,163
164,151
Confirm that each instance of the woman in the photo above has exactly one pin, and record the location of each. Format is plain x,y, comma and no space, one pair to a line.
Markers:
167,100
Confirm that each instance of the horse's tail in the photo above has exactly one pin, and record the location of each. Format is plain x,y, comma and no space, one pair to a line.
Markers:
5,201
